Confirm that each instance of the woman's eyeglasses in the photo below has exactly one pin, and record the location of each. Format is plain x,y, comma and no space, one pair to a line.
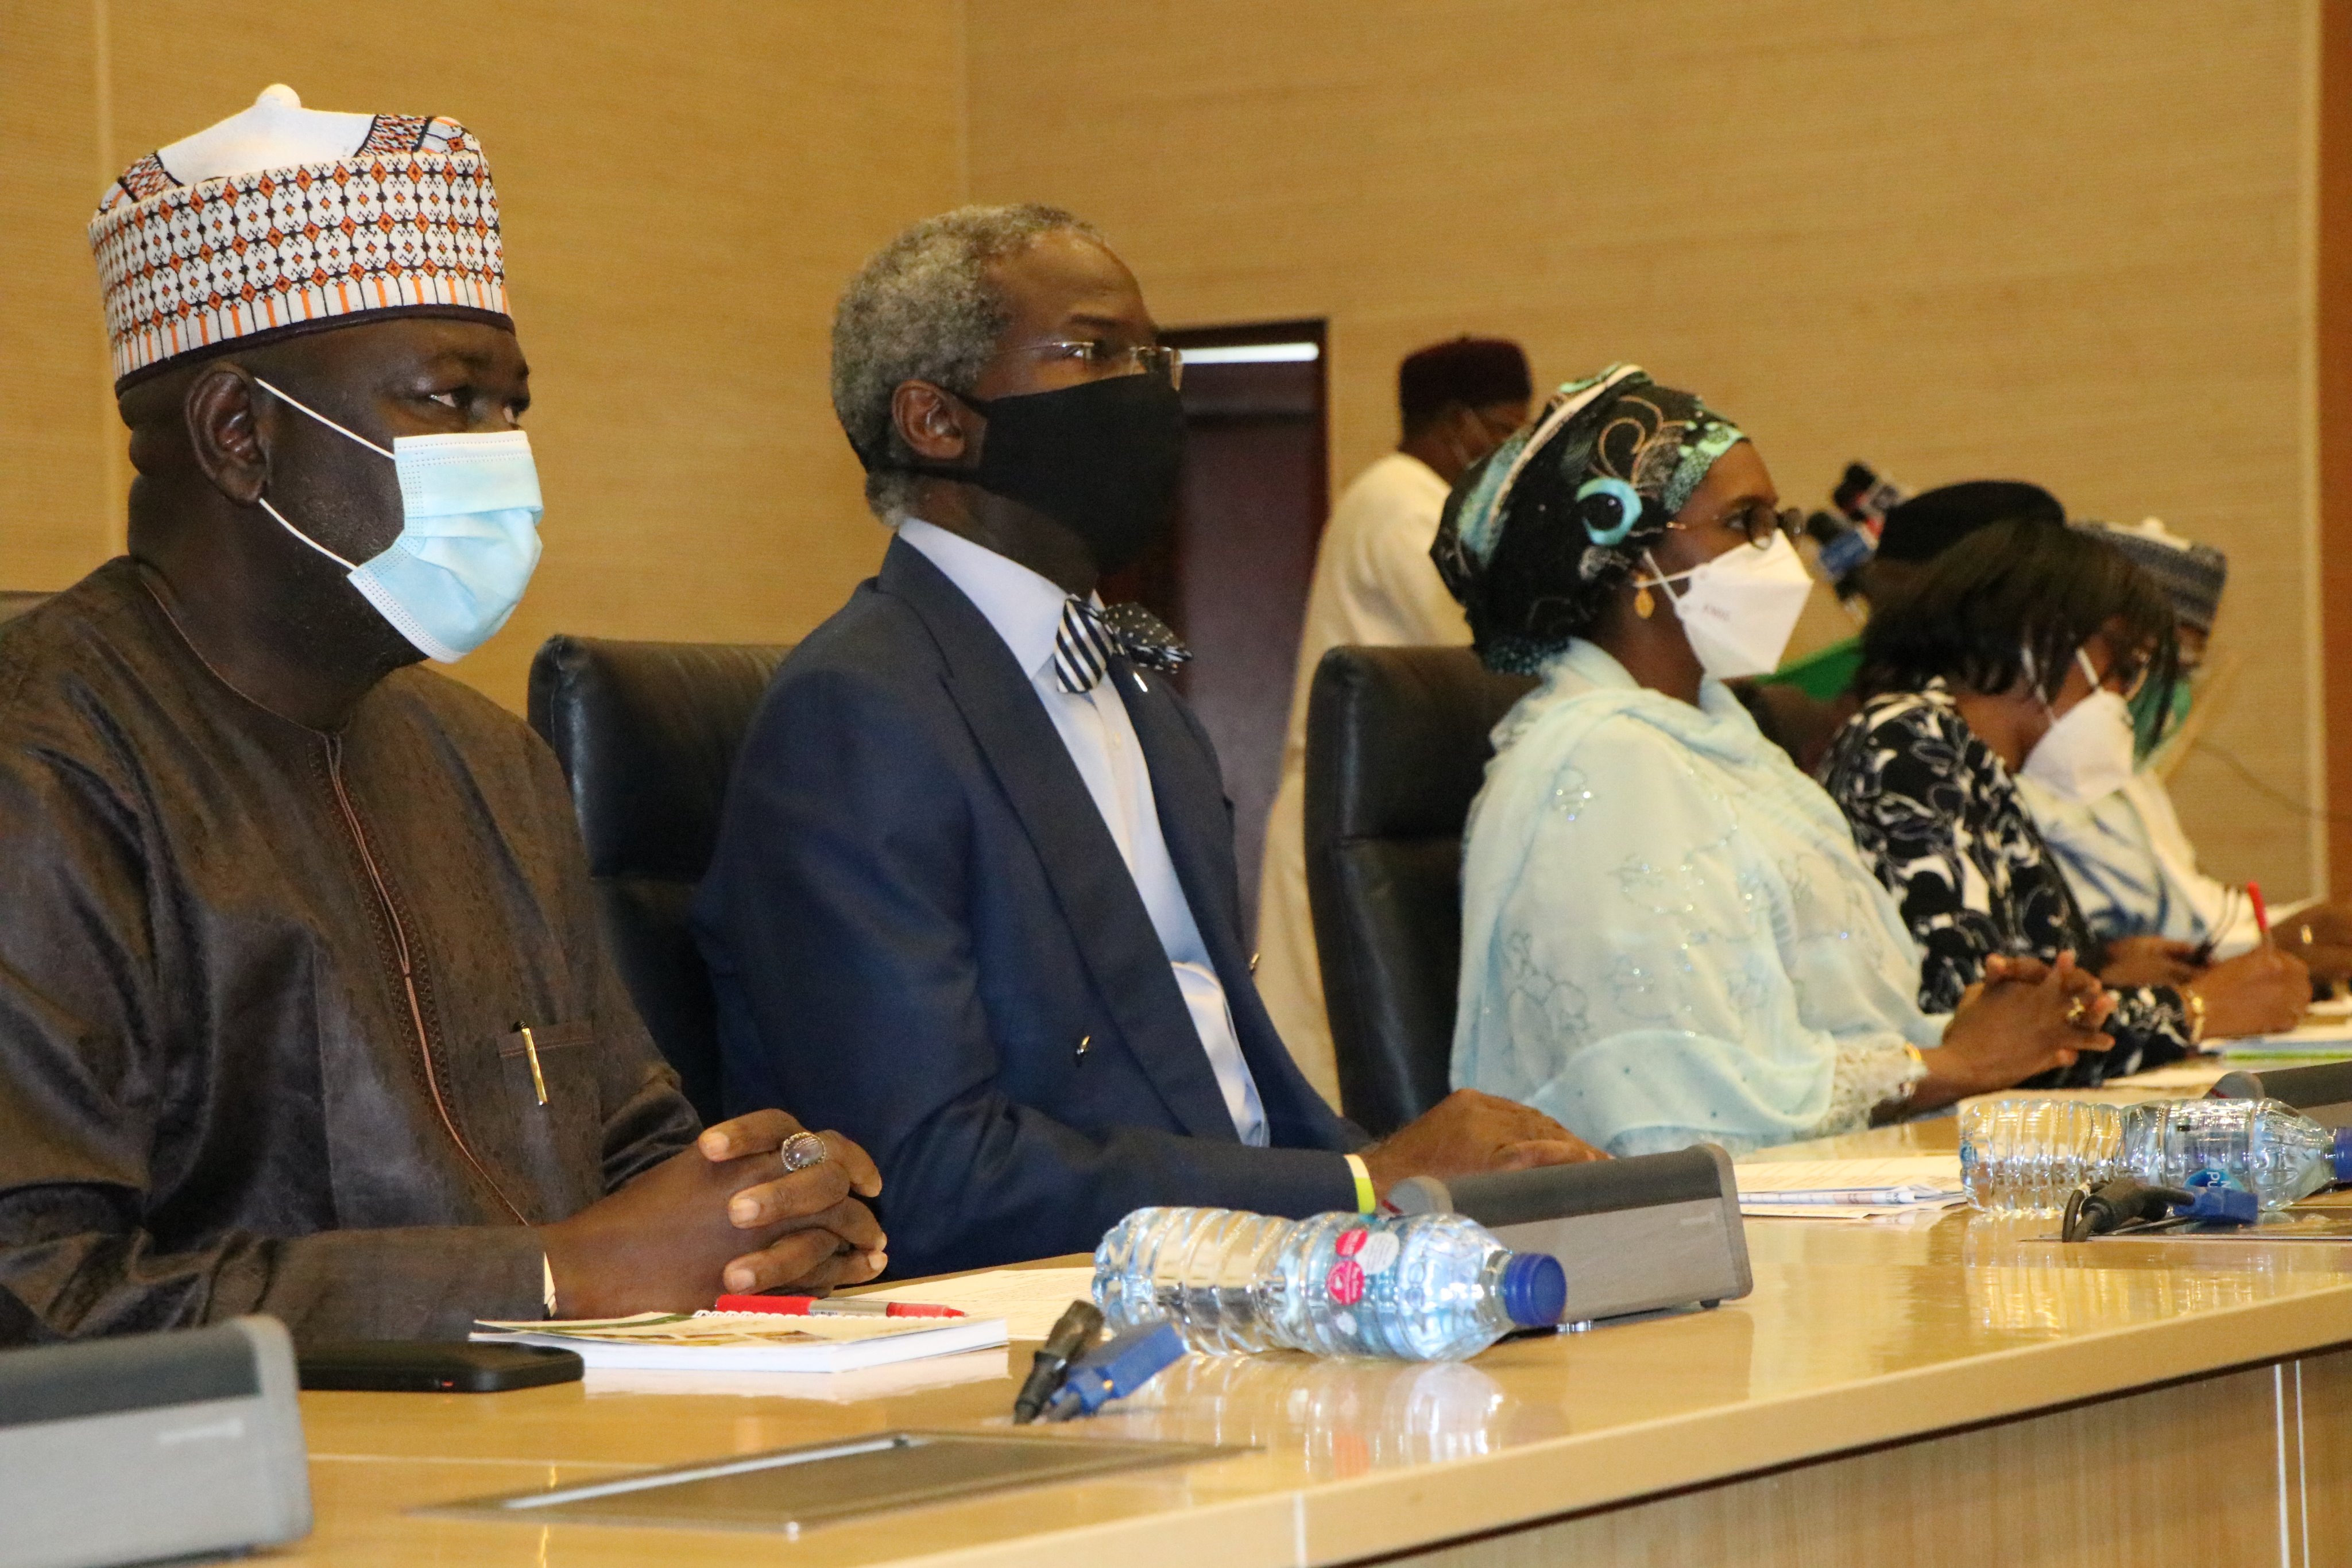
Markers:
1758,520
2126,677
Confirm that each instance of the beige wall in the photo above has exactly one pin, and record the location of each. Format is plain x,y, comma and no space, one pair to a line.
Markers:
2063,242
684,187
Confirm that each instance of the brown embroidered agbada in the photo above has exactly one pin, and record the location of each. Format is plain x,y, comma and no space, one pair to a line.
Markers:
263,993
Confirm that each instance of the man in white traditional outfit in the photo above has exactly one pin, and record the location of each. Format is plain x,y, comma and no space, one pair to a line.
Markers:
1375,587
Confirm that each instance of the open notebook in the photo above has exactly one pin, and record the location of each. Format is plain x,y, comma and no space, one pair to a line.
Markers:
749,1342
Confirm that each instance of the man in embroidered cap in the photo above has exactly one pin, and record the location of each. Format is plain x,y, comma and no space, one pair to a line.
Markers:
1375,587
974,900
303,1006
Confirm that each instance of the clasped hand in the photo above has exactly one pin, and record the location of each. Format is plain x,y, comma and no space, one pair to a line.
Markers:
2025,1017
724,1215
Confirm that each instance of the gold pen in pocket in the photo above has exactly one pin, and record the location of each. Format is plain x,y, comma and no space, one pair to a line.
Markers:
530,1051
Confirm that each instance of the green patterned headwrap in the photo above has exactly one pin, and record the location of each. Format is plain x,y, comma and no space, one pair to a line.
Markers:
1539,535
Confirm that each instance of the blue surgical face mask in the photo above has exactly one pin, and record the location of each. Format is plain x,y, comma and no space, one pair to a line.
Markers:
468,536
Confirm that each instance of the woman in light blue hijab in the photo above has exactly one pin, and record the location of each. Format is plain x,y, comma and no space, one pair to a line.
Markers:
1668,937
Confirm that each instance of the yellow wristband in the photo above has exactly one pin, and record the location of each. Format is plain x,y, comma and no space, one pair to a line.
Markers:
1367,1200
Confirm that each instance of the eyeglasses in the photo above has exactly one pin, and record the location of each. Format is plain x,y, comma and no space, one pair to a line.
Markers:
1115,360
2126,677
1758,520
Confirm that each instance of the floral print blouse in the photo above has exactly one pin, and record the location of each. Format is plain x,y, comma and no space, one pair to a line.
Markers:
1936,815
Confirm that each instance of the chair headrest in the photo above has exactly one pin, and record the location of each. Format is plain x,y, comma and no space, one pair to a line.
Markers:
1397,740
648,733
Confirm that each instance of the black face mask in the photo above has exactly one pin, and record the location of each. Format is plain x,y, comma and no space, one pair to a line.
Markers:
1102,458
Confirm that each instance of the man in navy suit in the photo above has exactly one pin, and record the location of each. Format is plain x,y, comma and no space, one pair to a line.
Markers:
974,900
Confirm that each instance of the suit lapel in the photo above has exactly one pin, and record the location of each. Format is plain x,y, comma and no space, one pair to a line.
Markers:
1195,821
1090,880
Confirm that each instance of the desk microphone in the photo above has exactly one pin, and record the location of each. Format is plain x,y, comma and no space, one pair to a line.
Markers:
1072,1336
2123,1207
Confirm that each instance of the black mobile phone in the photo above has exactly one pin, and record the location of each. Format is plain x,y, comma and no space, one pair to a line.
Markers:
432,1366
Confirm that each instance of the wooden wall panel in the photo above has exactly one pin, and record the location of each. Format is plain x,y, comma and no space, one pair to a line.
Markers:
1988,238
685,189
2098,1486
60,508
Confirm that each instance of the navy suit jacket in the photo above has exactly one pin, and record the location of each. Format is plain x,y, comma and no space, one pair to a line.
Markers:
921,933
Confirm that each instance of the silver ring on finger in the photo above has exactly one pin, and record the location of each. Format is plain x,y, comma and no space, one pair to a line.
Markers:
802,1150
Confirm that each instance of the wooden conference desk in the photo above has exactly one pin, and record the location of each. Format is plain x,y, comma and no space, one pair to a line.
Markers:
1952,1393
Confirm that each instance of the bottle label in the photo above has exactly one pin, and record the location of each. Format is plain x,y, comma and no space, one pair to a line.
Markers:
1362,1252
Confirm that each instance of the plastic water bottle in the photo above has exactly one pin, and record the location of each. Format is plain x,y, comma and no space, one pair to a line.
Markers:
2021,1155
1424,1287
2271,1149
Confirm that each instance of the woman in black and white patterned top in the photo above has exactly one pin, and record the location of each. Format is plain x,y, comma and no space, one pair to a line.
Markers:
1970,668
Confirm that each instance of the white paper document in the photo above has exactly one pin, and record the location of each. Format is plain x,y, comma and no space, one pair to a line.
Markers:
749,1342
1028,1300
1850,1189
2318,1037
2188,1077
850,1387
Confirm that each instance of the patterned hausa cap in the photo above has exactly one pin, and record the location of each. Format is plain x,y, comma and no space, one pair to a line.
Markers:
282,219
2193,575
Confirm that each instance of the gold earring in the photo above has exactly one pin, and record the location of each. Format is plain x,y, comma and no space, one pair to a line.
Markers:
1643,606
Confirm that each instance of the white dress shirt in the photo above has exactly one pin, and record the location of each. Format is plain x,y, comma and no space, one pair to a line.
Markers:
1026,611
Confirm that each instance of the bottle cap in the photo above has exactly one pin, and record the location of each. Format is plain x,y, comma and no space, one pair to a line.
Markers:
2339,1154
1535,1289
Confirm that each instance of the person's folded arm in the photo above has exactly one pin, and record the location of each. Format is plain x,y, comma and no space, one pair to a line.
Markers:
838,918
86,1075
76,1261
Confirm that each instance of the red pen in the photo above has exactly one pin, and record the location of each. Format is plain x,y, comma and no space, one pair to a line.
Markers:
832,1307
2261,915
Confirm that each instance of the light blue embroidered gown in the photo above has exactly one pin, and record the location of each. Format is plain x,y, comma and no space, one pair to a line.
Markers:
1668,937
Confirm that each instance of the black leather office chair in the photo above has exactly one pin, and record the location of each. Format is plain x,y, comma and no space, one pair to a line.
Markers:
14,603
1396,750
648,733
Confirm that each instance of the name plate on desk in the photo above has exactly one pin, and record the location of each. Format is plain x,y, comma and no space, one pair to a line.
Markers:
788,1489
2322,1092
161,1445
1633,1235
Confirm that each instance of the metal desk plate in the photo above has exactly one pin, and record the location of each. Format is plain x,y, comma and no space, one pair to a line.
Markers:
787,1490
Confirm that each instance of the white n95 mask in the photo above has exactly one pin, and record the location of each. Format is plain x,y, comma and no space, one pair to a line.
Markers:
1739,609
2087,754
469,536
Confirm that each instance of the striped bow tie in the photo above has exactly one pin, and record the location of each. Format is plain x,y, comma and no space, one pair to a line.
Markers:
1087,640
